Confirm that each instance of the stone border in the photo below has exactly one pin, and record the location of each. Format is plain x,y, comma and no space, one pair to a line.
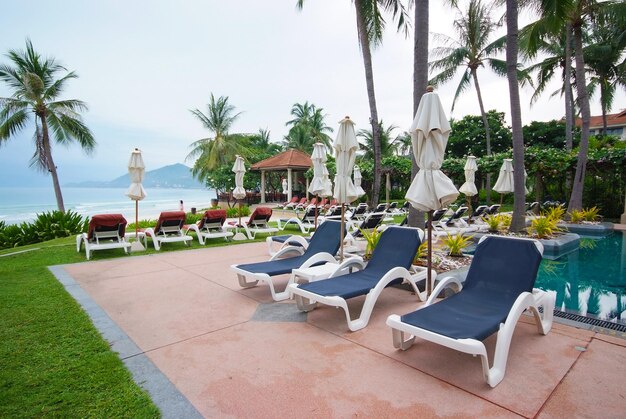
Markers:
164,394
592,230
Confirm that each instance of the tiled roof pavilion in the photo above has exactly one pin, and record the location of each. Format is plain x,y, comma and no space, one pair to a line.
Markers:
290,161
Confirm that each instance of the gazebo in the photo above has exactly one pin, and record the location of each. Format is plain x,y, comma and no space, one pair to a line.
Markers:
291,161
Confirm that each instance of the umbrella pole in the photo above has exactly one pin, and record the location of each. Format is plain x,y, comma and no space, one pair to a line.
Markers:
501,199
315,226
469,209
239,212
136,220
341,233
430,254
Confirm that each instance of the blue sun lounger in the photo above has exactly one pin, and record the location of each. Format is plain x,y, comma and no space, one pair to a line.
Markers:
389,265
322,249
498,289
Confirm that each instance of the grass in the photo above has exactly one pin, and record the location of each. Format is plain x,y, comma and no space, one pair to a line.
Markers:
53,362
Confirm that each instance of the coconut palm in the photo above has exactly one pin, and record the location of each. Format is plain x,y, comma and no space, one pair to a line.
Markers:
606,64
36,89
388,147
311,120
370,27
221,147
473,49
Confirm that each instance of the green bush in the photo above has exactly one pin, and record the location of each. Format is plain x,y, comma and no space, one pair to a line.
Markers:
55,224
193,218
234,211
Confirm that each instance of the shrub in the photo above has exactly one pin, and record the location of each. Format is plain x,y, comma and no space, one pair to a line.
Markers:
193,218
493,222
55,224
576,216
10,236
591,214
372,237
543,227
555,213
235,211
456,244
505,220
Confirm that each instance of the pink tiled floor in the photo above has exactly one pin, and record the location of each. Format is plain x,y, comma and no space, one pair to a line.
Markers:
185,310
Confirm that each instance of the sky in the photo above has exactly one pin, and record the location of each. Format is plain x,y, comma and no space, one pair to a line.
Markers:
143,65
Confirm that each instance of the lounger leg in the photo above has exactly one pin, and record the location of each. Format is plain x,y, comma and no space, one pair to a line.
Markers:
304,304
399,342
547,301
245,284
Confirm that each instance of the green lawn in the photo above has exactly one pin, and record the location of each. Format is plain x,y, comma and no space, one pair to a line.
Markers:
53,362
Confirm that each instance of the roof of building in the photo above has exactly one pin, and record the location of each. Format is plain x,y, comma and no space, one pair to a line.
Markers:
290,159
615,119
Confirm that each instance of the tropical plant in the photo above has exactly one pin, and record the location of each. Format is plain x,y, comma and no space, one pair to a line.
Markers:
370,29
493,223
388,147
505,220
544,227
467,136
555,213
238,211
309,120
371,237
455,244
591,214
576,216
55,224
221,147
36,88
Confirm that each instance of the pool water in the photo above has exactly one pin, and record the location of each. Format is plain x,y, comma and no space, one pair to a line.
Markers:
590,281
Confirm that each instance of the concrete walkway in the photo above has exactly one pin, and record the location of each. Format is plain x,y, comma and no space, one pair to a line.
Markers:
232,352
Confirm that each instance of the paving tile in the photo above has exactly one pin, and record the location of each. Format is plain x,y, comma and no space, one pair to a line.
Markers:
116,268
594,388
296,370
160,308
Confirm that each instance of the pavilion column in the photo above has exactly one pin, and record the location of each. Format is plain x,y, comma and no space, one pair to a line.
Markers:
262,186
289,184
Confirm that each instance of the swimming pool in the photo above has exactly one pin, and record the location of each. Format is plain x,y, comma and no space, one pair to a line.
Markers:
590,281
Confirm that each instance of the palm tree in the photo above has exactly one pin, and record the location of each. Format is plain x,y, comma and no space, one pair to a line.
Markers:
222,147
299,138
35,89
606,64
370,27
472,50
311,119
518,222
388,147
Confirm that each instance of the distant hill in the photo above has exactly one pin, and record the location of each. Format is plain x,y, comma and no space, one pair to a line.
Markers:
172,176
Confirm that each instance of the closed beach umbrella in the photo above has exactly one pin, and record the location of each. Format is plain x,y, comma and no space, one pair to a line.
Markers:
469,187
357,181
239,192
431,189
136,192
320,185
505,182
345,146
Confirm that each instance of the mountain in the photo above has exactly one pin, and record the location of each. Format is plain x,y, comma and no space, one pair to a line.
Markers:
172,176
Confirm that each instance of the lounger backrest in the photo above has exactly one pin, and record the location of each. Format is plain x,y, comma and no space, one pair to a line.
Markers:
493,209
334,211
107,223
170,221
260,216
480,210
503,268
212,219
397,247
326,239
373,220
438,214
310,212
380,207
361,209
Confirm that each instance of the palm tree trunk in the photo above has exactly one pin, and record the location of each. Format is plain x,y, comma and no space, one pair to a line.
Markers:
483,114
50,162
569,99
567,86
420,82
576,199
603,105
519,221
369,81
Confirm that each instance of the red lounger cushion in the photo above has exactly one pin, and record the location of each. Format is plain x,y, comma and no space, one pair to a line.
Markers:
107,222
170,218
213,216
261,213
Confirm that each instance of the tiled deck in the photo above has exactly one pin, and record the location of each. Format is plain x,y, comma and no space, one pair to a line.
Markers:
232,352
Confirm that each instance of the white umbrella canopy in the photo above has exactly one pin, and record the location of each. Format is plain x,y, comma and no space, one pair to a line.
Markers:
504,184
136,171
321,184
357,181
136,192
239,169
431,189
345,146
469,187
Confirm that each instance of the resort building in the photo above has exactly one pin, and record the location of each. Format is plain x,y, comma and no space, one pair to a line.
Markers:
616,124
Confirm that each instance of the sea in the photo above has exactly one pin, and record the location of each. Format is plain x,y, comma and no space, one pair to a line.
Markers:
18,204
